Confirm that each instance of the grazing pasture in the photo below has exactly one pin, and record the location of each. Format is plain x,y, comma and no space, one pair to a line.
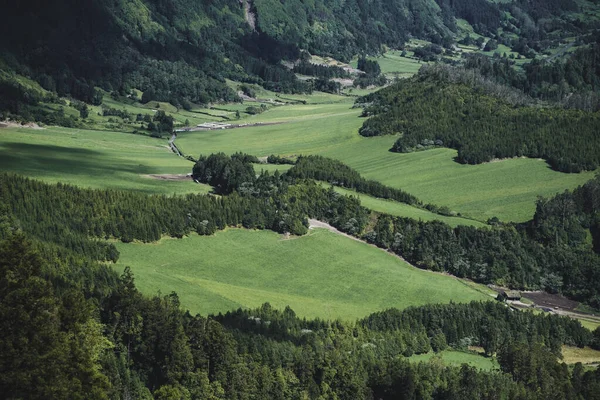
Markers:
94,159
322,274
506,189
404,210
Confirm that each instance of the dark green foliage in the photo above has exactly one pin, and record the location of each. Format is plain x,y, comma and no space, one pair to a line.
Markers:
50,345
324,85
321,71
429,53
478,322
248,91
275,159
429,110
253,110
491,45
572,81
369,67
224,173
161,123
339,174
109,111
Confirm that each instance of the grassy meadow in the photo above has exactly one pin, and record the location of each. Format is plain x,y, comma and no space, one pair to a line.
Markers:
404,210
586,355
454,357
506,189
322,274
393,64
94,159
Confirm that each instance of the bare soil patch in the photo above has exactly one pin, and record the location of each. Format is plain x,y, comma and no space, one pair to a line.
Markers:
169,177
544,299
12,124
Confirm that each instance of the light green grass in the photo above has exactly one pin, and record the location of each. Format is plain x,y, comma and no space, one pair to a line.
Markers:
590,324
393,64
453,357
321,274
94,159
506,189
572,355
404,210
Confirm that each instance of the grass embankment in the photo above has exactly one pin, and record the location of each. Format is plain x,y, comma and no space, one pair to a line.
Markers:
94,159
319,275
507,189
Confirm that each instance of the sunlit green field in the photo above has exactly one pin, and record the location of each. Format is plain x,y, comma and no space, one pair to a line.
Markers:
453,357
393,64
94,159
586,355
404,210
319,275
507,189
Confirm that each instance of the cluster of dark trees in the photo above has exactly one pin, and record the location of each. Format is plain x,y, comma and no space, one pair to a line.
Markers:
429,110
372,74
161,124
321,71
275,159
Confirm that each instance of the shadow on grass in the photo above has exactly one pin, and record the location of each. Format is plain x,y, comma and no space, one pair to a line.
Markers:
60,161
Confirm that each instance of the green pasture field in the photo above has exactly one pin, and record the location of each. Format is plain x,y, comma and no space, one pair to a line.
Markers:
94,159
573,355
453,357
393,64
322,274
404,210
506,189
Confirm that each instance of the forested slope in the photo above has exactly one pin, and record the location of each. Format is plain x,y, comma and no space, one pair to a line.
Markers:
450,107
182,50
